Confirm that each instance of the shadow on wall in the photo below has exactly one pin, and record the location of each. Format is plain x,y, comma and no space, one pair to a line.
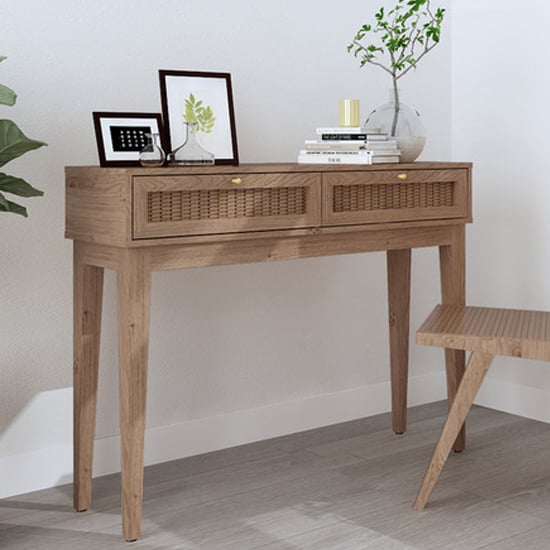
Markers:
44,421
263,334
35,326
509,257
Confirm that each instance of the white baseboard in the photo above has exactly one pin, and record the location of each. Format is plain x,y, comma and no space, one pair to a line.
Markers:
51,466
515,399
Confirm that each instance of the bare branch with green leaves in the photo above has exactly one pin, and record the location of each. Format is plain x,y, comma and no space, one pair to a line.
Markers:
203,115
407,32
398,39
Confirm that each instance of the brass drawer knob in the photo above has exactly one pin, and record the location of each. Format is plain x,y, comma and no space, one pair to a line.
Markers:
402,177
236,181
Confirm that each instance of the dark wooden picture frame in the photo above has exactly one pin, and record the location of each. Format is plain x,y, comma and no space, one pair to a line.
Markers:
214,90
119,136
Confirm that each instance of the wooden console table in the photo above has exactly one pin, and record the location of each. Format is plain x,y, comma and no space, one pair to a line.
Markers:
139,220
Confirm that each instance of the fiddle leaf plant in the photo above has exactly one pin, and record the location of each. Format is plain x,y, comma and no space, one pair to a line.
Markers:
398,39
13,144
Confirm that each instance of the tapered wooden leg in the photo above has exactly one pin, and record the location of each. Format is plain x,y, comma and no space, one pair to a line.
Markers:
134,286
452,260
399,291
478,365
88,293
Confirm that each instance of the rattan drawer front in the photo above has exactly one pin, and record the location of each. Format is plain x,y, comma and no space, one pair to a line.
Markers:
174,206
394,195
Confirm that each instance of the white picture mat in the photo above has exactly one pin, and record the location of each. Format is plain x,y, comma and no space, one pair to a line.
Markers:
212,92
105,125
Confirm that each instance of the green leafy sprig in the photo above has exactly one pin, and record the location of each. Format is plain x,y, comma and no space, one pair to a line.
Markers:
407,33
13,144
404,35
203,115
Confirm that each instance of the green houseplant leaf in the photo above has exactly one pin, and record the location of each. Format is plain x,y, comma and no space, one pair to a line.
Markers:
18,209
4,203
9,206
7,96
18,186
13,142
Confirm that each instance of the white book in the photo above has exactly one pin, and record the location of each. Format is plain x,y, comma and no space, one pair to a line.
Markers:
334,159
338,142
358,133
377,137
342,130
353,153
350,130
319,145
375,145
385,153
385,160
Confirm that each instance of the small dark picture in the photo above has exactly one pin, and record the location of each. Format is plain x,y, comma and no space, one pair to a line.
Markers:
129,138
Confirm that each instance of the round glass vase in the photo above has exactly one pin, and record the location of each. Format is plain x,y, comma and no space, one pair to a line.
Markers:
401,123
152,154
190,153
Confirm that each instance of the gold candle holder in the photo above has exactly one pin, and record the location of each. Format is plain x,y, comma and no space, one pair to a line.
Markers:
349,113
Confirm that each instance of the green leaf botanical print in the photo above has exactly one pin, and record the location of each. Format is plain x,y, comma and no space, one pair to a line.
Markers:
196,111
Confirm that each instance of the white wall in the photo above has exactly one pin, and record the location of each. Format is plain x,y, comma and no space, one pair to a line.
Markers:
237,353
500,92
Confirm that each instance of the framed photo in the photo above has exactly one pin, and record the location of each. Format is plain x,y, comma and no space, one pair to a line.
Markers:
206,98
121,136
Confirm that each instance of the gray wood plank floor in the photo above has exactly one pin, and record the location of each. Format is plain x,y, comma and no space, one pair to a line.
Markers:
348,486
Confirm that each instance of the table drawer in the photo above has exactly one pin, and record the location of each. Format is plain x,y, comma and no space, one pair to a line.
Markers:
395,195
199,205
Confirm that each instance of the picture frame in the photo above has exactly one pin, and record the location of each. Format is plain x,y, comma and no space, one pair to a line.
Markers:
213,91
121,136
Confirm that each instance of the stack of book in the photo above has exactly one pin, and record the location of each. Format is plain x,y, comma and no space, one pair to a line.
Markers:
343,145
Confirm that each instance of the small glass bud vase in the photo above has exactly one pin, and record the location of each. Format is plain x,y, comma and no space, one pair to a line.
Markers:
190,153
152,154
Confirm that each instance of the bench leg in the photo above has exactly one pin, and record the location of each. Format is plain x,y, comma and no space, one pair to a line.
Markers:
471,381
452,260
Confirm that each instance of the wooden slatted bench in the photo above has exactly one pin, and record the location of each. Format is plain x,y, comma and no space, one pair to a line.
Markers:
485,332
